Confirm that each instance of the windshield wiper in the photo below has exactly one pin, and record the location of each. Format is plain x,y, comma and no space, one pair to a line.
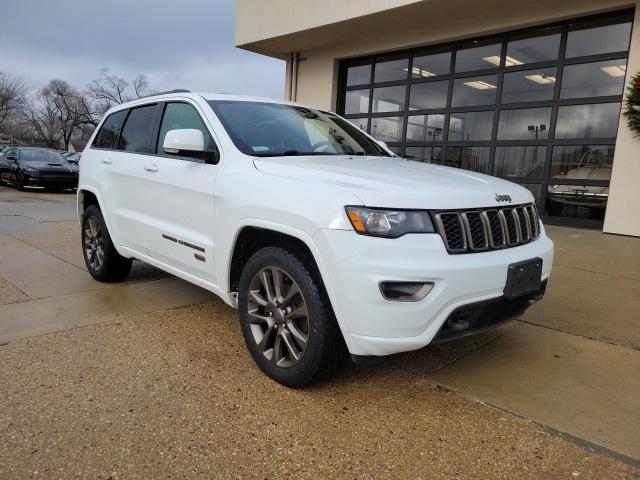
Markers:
292,153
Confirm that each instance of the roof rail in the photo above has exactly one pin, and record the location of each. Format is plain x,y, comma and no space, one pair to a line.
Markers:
177,90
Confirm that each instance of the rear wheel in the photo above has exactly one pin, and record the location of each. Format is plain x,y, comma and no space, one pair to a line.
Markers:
287,321
20,181
103,261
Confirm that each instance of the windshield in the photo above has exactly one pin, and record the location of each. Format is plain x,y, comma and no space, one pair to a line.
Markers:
45,156
273,129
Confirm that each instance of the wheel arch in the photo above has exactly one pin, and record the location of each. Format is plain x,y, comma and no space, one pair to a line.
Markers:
255,235
88,196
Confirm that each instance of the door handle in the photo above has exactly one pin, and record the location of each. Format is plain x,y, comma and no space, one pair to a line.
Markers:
106,161
151,168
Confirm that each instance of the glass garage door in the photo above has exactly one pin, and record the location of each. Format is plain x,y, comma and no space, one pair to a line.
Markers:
538,107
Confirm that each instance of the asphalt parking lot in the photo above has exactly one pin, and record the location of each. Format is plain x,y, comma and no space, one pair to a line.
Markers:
150,378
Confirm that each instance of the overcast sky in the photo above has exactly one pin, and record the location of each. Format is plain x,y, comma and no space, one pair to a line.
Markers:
185,44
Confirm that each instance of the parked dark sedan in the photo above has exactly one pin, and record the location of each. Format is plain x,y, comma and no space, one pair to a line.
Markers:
37,167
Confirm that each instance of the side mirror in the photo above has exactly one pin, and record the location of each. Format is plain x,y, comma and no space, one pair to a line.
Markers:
183,139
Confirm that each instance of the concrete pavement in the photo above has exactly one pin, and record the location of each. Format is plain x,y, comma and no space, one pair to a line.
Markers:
571,364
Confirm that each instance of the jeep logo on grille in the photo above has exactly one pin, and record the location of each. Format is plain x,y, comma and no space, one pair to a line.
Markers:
503,198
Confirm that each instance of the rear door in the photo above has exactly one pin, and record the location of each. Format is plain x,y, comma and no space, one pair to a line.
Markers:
179,195
123,176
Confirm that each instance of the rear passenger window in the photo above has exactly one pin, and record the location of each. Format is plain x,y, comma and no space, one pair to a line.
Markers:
138,130
182,115
106,137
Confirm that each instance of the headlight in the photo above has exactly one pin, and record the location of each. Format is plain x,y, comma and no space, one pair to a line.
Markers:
382,222
30,170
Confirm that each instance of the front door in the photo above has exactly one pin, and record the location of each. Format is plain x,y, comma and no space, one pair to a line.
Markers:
180,201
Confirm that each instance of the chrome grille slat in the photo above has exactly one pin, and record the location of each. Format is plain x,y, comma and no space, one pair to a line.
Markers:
480,230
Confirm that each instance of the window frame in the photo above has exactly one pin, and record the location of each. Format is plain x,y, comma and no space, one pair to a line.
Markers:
555,102
158,125
117,133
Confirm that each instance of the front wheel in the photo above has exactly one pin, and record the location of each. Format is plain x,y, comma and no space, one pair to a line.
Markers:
287,321
103,261
20,182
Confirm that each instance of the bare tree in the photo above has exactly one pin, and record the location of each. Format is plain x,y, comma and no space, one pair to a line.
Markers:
13,90
68,105
39,116
108,90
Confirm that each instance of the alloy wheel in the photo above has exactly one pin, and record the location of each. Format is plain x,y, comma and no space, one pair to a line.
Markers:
278,316
94,243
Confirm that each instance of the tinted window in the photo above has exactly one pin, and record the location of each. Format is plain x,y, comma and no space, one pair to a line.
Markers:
588,121
389,99
470,126
426,66
592,41
138,129
182,115
531,50
356,101
359,75
474,91
391,70
478,58
428,95
387,129
529,85
106,137
526,124
594,79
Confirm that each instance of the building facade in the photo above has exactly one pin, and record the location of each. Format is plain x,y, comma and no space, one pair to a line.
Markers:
531,92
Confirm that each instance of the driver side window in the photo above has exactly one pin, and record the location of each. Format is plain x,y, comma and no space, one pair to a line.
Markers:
182,115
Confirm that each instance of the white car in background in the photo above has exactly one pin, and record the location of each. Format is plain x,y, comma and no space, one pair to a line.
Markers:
325,243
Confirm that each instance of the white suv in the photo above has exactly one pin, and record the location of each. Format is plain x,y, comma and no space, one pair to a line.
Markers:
324,240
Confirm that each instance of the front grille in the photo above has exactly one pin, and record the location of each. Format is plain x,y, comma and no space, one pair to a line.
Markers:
468,231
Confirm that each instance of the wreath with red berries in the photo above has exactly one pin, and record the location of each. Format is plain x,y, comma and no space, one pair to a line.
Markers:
632,111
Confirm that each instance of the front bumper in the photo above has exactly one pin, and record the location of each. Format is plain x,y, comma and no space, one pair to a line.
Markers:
59,181
371,325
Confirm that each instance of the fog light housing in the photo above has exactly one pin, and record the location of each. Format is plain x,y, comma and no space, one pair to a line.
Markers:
405,291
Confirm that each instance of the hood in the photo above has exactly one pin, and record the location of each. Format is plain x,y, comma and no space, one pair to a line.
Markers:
588,173
395,182
50,167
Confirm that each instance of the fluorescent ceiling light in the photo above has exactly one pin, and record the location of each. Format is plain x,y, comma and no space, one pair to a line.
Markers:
479,85
541,79
615,70
419,72
508,61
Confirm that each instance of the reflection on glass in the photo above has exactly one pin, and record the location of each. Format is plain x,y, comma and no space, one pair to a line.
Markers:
470,126
356,101
359,75
582,162
535,189
477,58
361,123
522,161
592,41
537,49
424,154
428,95
529,85
577,201
425,128
474,91
395,149
593,79
391,70
469,158
588,121
427,66
524,124
389,99
387,129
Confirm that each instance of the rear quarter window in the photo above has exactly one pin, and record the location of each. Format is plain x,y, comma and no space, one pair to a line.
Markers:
107,136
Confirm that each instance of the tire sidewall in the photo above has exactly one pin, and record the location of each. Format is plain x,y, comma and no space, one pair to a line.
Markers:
306,369
103,274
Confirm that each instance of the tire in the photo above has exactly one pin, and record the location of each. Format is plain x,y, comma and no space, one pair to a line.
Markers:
19,182
103,261
262,317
